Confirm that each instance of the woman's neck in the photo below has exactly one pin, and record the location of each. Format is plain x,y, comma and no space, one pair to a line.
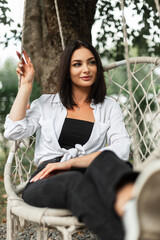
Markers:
80,95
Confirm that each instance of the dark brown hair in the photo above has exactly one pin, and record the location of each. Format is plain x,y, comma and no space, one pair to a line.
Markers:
64,87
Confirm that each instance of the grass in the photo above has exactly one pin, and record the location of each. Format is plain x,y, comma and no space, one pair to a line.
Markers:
3,196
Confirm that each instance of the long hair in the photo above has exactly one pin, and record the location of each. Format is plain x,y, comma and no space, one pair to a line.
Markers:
64,86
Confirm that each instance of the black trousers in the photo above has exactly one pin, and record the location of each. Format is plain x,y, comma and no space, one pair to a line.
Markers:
89,193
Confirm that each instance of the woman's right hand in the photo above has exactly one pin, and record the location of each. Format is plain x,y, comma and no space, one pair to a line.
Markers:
26,73
25,69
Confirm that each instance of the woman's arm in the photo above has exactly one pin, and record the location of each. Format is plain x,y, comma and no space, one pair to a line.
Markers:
26,70
84,161
21,123
79,162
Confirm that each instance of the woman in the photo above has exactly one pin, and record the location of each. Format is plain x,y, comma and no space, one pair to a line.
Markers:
76,169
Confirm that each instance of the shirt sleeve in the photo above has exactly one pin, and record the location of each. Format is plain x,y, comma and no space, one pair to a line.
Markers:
117,136
15,130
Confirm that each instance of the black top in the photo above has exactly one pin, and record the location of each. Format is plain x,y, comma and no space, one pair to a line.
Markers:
75,131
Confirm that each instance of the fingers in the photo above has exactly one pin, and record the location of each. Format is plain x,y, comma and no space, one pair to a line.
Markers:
42,174
50,168
20,68
19,71
26,56
19,56
25,61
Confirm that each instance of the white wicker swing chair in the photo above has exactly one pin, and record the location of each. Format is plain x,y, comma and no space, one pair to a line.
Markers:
145,132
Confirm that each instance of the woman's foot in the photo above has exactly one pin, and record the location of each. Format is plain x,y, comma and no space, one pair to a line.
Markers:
142,213
123,195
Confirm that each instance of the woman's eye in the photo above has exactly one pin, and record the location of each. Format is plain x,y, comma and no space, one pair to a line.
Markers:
76,64
93,62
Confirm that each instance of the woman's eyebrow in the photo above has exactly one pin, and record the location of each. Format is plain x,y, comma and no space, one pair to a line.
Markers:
78,60
91,58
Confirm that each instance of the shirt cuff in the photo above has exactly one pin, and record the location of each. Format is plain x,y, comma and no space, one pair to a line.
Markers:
9,122
13,129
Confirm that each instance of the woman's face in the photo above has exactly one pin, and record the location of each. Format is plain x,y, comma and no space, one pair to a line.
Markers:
83,68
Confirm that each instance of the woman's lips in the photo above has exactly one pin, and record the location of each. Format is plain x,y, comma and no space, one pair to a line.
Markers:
86,78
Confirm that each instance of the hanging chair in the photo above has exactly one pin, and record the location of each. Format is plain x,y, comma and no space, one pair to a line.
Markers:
144,134
124,80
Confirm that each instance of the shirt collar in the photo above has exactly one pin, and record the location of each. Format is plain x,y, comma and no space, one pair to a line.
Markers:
56,98
93,105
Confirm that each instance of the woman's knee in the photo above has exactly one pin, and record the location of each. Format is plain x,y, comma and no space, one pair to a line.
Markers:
108,155
108,159
52,191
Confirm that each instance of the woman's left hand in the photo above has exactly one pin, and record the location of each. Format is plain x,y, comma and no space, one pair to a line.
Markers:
50,169
53,168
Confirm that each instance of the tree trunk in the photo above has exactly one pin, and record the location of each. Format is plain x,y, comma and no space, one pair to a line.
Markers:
42,37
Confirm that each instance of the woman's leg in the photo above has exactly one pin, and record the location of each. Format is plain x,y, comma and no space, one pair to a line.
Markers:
50,192
90,196
92,199
123,195
142,214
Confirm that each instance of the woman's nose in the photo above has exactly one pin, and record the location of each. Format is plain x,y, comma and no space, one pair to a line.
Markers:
85,68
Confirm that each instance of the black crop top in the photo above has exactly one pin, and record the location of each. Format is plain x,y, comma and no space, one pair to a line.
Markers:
75,131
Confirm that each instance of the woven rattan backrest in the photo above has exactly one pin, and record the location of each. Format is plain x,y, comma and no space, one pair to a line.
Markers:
140,106
23,165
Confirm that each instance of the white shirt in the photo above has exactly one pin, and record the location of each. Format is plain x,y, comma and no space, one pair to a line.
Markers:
46,117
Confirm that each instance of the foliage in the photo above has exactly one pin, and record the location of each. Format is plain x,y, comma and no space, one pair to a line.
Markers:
4,9
144,36
4,19
8,90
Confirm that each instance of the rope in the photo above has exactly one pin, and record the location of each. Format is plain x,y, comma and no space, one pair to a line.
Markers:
24,15
59,24
158,7
22,41
129,83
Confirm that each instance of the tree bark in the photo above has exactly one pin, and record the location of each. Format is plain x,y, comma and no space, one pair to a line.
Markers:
42,37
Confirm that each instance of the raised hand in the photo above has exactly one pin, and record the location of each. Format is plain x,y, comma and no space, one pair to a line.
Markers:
26,73
25,69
